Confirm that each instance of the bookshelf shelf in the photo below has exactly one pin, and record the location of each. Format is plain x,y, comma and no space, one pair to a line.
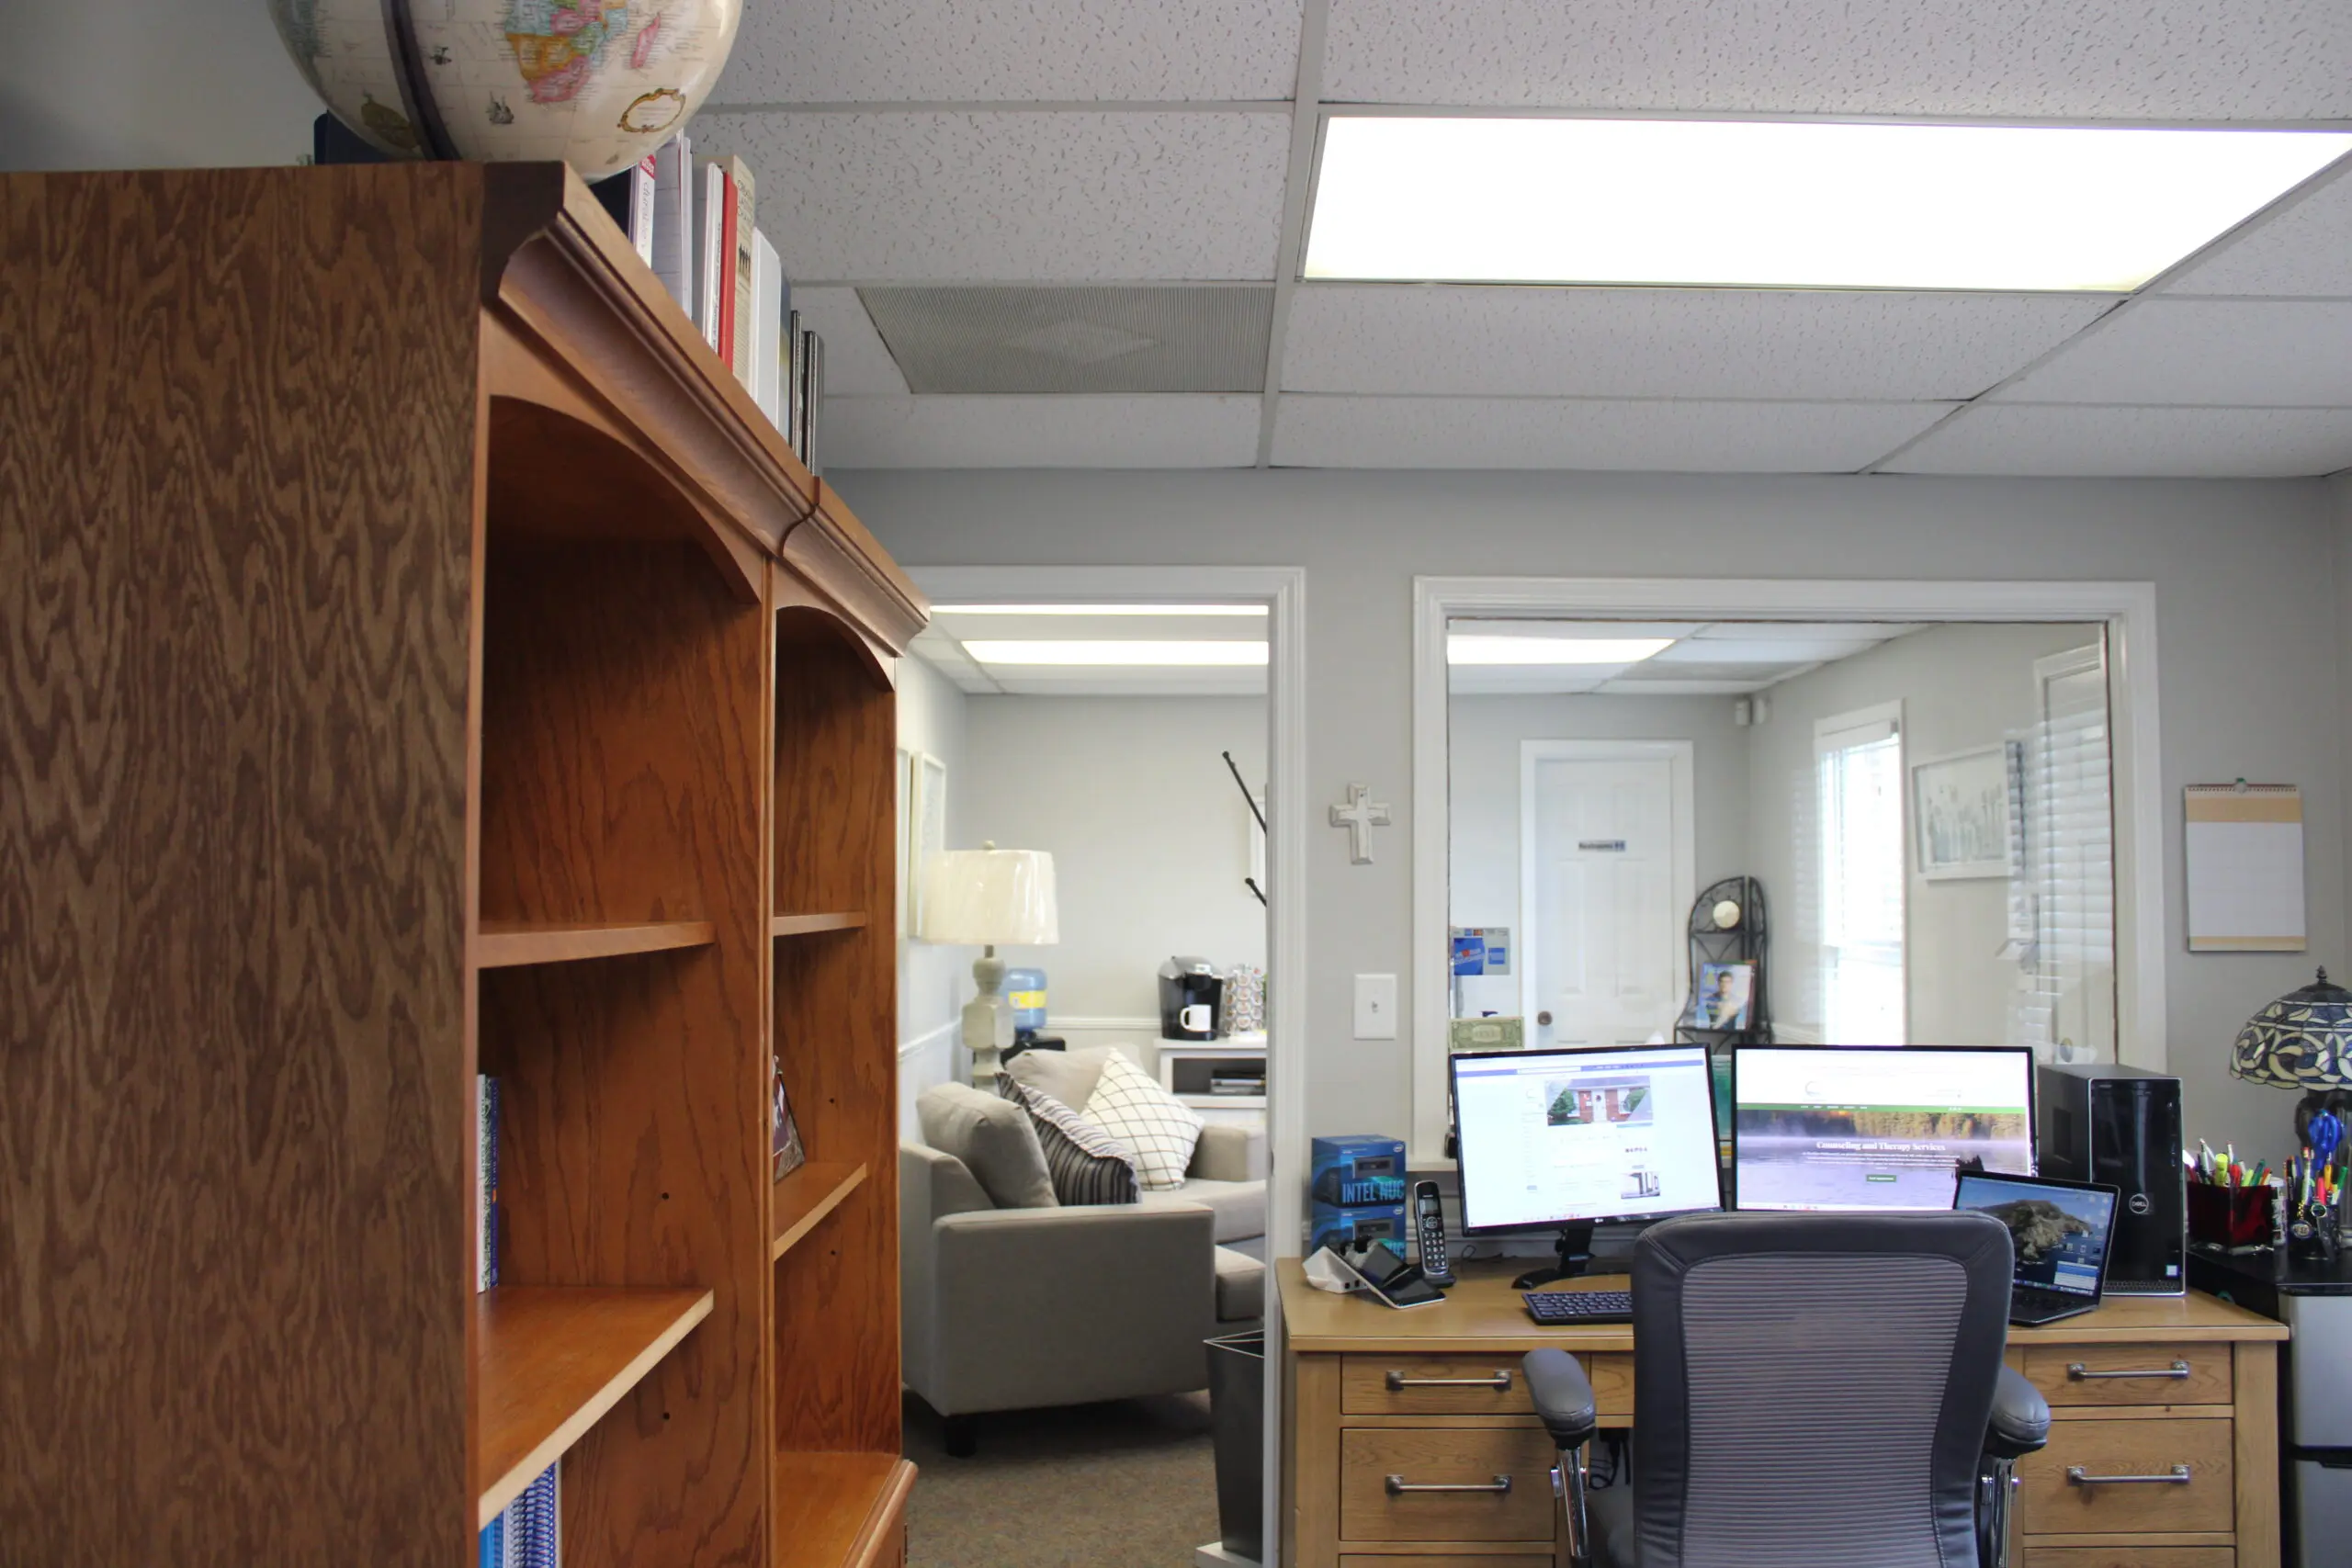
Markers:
510,944
801,925
839,1510
806,1196
550,1360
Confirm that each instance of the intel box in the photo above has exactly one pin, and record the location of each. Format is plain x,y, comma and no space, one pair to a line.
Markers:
1353,1170
1340,1228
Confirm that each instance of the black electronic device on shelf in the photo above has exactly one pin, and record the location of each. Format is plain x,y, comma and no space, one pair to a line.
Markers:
1429,1235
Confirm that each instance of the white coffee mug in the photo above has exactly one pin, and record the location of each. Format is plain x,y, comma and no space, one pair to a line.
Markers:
1194,1020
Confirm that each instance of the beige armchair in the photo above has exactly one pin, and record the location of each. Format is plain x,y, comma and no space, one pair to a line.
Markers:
1008,1307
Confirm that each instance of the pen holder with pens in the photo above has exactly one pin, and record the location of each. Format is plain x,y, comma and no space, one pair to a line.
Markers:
2239,1219
2312,1233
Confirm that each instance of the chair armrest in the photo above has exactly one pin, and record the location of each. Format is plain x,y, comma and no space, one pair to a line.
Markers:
1229,1153
1562,1396
1067,1305
2020,1421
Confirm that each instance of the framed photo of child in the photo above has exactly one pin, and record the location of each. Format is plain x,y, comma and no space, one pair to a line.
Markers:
1724,997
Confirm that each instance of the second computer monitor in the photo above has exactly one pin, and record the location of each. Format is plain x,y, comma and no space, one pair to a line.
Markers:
1560,1138
1857,1127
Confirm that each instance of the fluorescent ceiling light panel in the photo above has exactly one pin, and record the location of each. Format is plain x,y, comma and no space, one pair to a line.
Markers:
1777,204
1535,650
1258,610
1139,652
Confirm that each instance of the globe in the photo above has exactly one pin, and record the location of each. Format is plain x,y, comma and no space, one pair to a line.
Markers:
597,84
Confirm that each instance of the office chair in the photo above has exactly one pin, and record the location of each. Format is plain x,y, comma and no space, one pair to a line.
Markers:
1810,1391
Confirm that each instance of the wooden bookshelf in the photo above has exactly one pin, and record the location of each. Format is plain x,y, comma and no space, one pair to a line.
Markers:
803,925
555,677
507,944
806,1196
835,1510
549,1360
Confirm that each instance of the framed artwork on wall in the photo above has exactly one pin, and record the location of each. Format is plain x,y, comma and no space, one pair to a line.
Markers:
926,827
1960,814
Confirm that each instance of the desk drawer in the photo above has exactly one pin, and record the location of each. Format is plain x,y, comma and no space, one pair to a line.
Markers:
1450,1559
2130,1375
1505,1473
1469,1385
2050,1502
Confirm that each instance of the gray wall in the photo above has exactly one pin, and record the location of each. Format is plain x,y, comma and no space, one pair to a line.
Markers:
1960,687
1483,734
2247,610
1150,838
200,84
934,717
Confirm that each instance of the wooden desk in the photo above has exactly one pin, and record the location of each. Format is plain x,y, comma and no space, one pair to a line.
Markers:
1365,1402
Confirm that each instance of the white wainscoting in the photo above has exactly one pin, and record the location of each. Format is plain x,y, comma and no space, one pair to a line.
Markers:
1138,1037
936,1056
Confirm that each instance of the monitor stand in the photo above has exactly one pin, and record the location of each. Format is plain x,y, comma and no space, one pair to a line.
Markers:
1576,1252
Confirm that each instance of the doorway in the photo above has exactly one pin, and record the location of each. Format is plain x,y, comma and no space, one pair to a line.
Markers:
1606,872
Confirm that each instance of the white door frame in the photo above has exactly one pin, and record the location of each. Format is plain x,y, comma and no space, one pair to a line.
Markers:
2128,609
1283,589
1679,756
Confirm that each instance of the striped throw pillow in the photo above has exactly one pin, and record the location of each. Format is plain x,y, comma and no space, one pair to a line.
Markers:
1129,1104
1087,1164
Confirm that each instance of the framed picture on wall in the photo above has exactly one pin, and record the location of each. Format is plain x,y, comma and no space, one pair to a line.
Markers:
1960,814
926,827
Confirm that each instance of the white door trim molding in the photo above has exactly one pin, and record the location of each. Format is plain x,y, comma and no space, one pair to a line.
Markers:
2128,610
1283,588
1682,757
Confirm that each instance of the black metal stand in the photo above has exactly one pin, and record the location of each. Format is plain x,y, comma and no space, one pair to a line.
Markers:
1575,1253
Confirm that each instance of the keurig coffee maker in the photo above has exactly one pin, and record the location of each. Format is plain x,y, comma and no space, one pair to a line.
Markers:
1190,990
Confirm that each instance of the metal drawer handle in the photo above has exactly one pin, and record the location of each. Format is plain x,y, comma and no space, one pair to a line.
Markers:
2176,1476
2178,1372
1399,1486
1399,1383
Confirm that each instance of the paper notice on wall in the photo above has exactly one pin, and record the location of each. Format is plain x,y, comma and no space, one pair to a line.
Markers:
2245,868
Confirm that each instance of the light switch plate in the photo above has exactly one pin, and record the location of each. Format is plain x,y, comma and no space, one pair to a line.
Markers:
1375,1006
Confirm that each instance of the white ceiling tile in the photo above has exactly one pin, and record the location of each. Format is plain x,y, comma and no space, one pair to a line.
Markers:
1669,342
1527,679
1636,685
856,362
1136,683
1102,629
1014,197
2203,351
1673,437
1141,432
1003,51
2052,441
2304,249
2095,58
1775,631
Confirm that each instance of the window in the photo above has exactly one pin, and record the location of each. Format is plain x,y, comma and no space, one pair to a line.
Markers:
1857,768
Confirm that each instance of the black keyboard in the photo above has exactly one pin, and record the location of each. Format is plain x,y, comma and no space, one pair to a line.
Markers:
1556,1307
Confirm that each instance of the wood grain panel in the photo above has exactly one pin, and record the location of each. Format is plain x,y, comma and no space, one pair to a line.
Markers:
2051,1504
621,781
507,944
1446,1456
836,1302
840,1510
2208,1382
804,1198
2255,1434
236,464
1447,1559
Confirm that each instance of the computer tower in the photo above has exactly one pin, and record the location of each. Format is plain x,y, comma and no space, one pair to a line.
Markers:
2104,1122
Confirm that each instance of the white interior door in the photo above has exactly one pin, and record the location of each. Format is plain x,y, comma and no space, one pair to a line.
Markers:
1605,874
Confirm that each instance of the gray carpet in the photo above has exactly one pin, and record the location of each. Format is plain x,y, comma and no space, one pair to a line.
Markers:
1127,1484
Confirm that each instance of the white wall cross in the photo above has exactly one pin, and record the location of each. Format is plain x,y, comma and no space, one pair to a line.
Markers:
1359,816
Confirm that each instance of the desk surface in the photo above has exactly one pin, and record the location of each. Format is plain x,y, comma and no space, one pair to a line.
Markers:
1483,1313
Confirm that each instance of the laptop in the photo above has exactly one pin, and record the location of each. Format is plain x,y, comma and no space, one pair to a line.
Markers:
2060,1231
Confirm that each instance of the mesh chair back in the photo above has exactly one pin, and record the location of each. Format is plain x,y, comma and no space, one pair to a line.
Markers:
1811,1391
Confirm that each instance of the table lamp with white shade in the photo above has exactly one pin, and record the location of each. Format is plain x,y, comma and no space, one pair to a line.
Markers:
989,896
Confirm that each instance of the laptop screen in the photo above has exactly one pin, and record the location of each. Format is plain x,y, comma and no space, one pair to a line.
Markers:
2059,1231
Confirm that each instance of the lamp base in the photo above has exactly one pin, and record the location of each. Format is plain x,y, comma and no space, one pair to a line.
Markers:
987,1027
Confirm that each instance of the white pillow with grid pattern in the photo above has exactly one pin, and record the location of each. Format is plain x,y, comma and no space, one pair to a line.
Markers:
1130,1105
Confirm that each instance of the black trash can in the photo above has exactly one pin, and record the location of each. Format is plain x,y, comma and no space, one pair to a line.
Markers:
1238,1420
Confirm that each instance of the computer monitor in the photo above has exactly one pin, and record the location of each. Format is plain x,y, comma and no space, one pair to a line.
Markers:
1859,1127
1558,1140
